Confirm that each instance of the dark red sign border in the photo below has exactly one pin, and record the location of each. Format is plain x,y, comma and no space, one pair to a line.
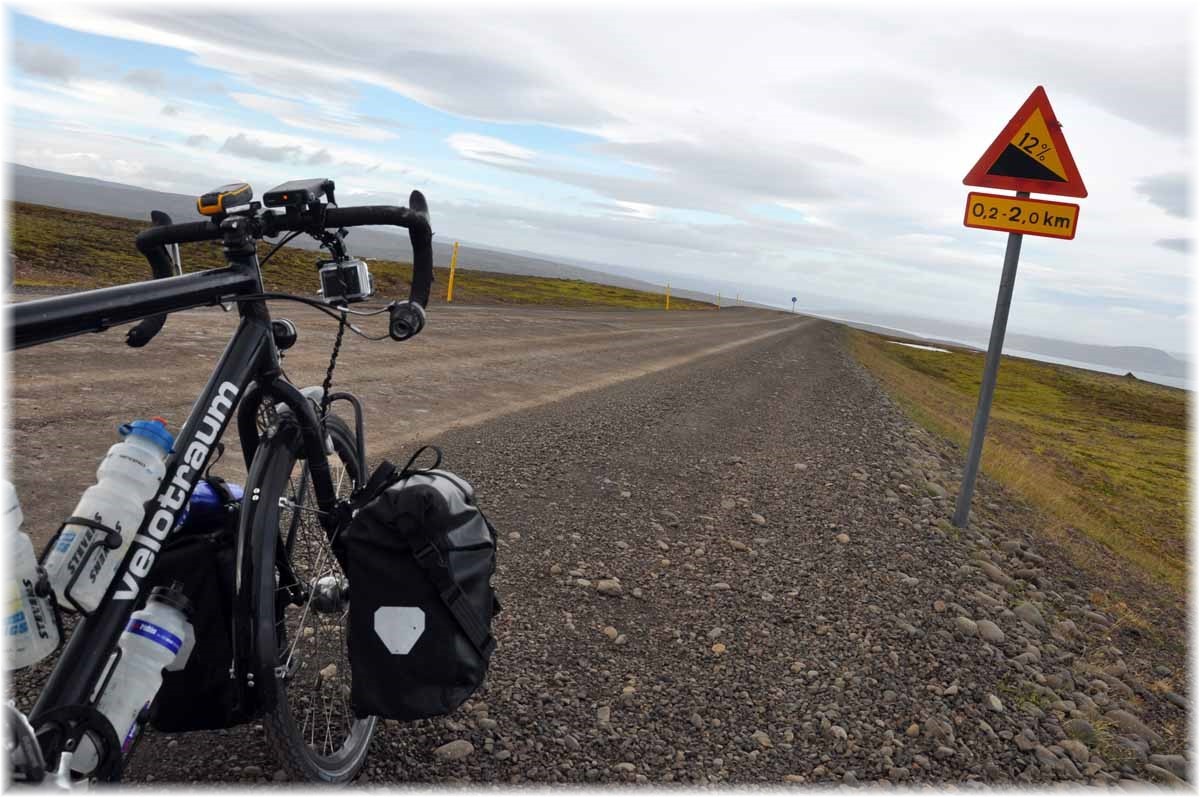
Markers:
978,175
967,216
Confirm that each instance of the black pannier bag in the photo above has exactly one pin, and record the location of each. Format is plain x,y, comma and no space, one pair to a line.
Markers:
420,557
201,555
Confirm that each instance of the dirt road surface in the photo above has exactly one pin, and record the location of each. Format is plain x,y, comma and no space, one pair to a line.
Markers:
792,607
471,365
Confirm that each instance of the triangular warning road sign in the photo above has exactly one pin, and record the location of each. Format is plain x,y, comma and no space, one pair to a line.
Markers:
1030,154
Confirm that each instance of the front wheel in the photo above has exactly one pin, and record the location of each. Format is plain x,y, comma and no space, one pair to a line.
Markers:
311,727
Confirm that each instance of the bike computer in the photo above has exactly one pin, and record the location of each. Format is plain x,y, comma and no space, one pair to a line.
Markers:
218,201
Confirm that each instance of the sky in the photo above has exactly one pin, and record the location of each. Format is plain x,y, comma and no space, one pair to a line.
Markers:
798,149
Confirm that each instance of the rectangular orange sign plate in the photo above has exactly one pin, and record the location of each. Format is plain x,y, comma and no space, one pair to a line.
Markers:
1027,216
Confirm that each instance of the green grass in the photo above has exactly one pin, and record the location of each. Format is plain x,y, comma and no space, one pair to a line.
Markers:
65,249
1099,454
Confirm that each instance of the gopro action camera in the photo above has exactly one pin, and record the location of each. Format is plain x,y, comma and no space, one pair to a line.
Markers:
345,281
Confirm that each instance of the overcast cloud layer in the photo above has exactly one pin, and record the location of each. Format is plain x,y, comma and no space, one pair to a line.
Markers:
800,150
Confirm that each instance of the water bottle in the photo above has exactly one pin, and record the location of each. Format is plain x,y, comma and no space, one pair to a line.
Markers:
128,477
31,633
157,637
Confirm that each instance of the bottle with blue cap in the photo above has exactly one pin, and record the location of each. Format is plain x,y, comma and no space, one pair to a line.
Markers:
128,477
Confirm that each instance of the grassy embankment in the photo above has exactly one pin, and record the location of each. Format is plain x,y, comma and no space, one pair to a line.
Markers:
64,249
1101,455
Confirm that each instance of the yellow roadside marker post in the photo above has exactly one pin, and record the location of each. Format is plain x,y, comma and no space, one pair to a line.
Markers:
718,300
450,282
668,296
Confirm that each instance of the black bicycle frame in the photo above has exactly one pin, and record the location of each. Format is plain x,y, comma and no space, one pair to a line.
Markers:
250,356
46,320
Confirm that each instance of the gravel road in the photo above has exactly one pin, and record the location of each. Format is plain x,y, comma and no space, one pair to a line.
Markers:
790,604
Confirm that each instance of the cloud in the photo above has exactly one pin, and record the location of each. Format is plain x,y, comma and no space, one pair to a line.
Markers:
1127,76
326,117
687,175
744,166
198,140
487,149
481,86
923,239
382,121
872,98
170,110
151,80
245,147
275,56
1169,192
1181,245
45,61
319,158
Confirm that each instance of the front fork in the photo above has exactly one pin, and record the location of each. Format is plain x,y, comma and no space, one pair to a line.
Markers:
312,436
261,599
313,441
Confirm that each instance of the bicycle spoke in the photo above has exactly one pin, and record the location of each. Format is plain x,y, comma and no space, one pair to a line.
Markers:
313,633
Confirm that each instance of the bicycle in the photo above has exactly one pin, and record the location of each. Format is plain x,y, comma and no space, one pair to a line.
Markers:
289,580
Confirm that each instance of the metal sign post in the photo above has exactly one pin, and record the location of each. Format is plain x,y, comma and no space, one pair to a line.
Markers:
991,368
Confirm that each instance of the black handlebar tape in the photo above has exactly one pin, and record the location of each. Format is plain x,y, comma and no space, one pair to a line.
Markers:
190,232
151,242
419,235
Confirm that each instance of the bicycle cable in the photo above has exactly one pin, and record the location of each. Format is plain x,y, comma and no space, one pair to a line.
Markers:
278,246
339,314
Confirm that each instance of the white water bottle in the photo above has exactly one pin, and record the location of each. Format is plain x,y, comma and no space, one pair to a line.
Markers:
157,637
30,632
127,478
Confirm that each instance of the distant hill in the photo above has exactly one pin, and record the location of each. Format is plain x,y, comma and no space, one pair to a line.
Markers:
89,195
1142,361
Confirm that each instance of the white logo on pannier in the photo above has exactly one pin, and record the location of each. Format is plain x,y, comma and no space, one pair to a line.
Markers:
399,627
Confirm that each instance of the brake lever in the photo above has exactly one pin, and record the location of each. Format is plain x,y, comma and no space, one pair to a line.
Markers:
147,328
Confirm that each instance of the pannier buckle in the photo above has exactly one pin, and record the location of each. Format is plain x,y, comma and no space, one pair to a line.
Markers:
423,556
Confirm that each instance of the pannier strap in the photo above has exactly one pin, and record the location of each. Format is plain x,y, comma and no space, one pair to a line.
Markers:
458,604
408,468
379,481
385,476
220,487
430,560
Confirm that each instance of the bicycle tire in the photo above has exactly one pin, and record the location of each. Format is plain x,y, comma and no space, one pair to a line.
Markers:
281,471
